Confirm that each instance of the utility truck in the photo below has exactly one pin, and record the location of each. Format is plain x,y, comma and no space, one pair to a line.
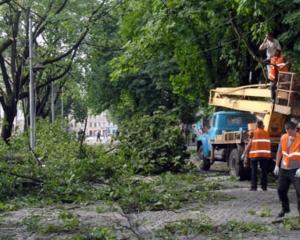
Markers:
228,133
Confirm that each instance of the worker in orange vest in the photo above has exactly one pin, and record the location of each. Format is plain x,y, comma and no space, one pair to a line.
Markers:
259,151
278,64
288,166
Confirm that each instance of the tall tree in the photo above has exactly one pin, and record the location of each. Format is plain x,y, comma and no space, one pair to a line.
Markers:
59,28
171,53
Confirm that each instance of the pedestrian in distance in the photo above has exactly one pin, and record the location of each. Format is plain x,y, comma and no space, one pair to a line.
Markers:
288,167
258,150
98,136
80,134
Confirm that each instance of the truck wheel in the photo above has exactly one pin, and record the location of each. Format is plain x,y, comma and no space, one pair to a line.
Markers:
236,166
205,165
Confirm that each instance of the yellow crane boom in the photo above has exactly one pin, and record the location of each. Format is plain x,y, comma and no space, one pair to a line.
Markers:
257,100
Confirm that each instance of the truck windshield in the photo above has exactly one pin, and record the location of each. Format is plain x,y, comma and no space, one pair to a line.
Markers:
239,120
212,121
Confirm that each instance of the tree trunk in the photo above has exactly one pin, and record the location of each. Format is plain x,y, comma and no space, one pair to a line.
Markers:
8,122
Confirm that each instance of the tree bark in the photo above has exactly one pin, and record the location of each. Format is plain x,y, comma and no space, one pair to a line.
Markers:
13,58
8,121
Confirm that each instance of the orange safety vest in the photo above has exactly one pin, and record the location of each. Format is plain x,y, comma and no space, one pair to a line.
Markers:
260,144
277,64
292,153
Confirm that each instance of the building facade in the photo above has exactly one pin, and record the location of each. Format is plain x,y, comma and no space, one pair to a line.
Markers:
95,123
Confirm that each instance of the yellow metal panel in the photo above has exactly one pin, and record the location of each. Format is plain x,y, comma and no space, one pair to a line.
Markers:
274,123
282,109
283,95
246,92
243,105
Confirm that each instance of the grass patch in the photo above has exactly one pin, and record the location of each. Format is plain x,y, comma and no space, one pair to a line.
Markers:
265,212
292,223
7,207
69,223
96,233
252,212
204,226
188,227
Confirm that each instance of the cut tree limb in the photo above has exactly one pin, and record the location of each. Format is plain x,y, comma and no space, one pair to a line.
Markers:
240,36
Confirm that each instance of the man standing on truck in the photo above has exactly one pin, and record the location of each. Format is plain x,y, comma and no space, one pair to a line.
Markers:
259,151
278,63
270,44
289,155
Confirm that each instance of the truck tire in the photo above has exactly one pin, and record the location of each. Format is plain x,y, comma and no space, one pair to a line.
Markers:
205,165
236,166
205,162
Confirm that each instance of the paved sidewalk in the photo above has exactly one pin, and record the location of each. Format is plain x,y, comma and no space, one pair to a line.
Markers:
240,205
249,206
245,206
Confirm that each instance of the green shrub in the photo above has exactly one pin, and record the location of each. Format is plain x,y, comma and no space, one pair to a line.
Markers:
153,144
57,170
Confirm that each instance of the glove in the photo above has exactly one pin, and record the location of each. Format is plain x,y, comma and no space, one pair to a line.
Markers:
276,170
243,156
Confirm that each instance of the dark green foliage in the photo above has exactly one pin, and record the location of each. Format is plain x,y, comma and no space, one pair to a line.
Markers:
171,53
153,144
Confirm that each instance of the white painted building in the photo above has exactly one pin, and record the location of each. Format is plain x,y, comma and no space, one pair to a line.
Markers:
95,123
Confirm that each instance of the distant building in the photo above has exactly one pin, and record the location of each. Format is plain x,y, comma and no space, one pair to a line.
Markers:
95,123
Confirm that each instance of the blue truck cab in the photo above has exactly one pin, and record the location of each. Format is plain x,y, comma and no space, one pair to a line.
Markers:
225,122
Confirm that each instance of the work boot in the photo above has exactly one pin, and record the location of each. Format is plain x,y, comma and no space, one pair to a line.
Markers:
283,212
253,189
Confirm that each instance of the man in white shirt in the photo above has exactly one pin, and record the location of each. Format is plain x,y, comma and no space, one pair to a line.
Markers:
271,44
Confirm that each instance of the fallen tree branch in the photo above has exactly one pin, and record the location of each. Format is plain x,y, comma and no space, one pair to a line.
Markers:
240,36
21,176
110,150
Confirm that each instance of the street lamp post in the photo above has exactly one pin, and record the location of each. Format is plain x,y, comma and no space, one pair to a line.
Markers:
62,104
31,88
52,102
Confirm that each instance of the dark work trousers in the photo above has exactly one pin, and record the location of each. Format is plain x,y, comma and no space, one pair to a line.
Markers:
199,144
263,164
286,177
273,90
